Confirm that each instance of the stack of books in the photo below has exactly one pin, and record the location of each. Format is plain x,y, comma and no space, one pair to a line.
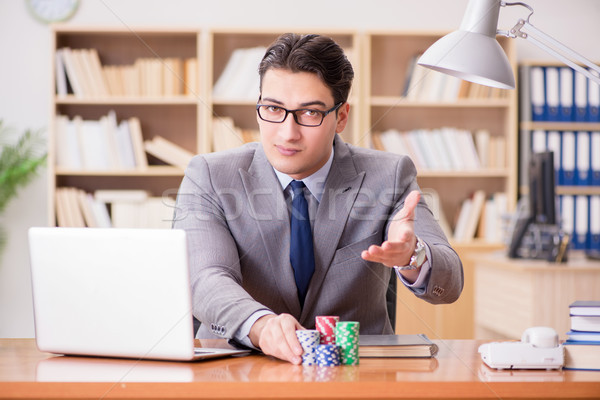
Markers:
582,347
80,72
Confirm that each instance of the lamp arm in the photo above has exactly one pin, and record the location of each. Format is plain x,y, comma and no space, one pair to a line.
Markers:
555,48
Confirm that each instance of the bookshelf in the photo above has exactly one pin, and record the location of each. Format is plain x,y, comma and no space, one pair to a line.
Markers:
560,112
174,114
190,119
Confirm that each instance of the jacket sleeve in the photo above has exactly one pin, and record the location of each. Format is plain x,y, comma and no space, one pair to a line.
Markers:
219,301
445,281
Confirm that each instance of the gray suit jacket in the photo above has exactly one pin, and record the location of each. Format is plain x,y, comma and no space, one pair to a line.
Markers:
232,206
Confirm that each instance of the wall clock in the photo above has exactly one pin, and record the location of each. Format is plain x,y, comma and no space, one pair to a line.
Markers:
52,10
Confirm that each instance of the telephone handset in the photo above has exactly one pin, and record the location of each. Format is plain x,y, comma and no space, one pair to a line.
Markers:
538,349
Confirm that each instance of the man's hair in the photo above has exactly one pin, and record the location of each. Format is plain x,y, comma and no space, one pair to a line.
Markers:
316,54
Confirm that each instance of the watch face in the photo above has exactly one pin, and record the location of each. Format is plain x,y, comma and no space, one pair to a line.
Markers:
52,10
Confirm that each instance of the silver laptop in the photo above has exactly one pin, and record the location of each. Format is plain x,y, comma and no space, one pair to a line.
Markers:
115,293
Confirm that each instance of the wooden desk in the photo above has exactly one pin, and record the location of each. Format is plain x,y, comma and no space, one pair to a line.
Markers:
512,295
457,372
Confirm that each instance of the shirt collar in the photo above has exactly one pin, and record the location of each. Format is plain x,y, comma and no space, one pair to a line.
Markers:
315,182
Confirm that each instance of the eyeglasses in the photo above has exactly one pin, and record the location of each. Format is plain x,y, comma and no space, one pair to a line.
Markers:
302,116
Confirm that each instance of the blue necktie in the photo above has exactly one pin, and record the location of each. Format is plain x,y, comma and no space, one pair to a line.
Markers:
302,254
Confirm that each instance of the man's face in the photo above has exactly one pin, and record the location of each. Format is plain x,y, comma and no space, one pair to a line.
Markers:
298,151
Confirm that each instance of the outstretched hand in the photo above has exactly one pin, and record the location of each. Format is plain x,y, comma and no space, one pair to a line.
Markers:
401,242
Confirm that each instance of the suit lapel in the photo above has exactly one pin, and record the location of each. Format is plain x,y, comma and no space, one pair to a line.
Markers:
267,205
341,188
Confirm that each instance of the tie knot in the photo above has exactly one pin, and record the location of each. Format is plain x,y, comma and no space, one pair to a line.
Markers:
297,187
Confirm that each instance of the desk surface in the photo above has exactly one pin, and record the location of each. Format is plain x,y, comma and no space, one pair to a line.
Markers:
456,372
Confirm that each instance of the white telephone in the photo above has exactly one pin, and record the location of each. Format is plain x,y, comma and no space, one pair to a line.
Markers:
538,349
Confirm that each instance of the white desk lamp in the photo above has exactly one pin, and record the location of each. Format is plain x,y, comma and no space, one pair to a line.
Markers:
473,54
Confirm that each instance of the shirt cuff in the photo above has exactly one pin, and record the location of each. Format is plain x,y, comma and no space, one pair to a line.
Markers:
241,336
420,284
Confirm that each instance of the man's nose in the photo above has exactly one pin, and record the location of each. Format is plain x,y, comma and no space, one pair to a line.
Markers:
289,129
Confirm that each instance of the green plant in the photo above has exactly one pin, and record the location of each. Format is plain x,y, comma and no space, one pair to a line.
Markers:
20,158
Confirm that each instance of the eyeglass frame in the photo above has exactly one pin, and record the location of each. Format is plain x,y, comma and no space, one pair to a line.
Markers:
293,112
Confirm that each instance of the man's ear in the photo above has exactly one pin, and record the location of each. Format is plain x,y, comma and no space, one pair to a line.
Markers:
342,117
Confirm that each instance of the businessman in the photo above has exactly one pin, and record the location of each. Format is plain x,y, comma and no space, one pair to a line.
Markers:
303,224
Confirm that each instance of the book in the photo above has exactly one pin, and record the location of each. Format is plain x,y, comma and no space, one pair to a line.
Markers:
432,198
585,307
587,323
575,336
168,152
582,355
137,140
476,209
121,195
396,346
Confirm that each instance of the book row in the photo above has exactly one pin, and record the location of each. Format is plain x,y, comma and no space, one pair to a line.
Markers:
80,72
422,84
576,155
227,136
480,216
445,149
580,218
239,79
112,208
106,144
582,347
559,94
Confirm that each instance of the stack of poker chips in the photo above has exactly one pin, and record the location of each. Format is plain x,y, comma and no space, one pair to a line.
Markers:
346,339
309,340
333,343
326,327
328,355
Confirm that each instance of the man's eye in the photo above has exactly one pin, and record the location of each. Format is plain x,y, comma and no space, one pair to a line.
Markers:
310,113
273,109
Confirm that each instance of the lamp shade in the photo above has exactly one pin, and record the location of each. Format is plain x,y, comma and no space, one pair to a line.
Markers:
472,53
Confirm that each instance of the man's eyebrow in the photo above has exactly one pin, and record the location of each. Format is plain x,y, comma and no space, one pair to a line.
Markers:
272,100
313,103
306,104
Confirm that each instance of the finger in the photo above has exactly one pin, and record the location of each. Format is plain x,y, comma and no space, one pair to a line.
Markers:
289,331
388,254
408,209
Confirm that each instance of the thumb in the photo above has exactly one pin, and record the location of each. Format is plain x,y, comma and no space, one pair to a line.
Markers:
407,213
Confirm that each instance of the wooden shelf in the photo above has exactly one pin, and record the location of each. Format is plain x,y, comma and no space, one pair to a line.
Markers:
397,101
150,171
175,100
481,173
559,126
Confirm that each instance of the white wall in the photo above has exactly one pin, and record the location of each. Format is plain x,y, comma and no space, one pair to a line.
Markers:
25,81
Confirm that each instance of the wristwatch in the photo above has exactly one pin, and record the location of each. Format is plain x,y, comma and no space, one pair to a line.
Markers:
417,259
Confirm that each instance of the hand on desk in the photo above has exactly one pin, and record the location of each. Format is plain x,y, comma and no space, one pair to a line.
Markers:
402,240
275,335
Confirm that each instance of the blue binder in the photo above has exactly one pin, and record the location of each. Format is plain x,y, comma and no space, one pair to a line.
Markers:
593,101
580,98
579,239
595,158
552,94
566,174
594,232
538,94
582,159
566,94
